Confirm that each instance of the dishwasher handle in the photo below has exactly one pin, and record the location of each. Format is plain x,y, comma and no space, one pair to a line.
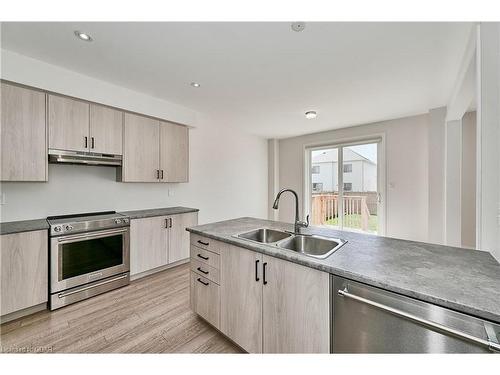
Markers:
491,345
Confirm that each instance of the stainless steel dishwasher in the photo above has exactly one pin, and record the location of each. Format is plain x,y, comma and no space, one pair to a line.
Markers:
372,320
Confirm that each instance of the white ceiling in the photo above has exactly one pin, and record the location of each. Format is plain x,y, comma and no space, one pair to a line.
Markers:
262,77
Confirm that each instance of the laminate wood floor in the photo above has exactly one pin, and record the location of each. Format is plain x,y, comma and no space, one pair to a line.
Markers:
151,315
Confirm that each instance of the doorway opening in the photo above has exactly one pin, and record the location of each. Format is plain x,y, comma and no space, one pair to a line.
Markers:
345,186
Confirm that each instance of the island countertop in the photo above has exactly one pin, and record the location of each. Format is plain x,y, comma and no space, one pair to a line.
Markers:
461,279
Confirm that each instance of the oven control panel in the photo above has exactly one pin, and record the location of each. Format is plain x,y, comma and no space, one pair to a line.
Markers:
57,229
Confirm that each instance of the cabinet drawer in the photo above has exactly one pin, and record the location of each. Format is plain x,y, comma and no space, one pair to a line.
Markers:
204,256
205,299
206,243
205,270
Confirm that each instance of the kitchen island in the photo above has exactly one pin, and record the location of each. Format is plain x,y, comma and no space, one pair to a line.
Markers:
464,280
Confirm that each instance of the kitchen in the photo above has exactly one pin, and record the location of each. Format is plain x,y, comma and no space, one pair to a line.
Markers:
145,209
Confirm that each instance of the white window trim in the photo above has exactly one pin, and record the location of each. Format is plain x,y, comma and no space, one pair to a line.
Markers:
351,141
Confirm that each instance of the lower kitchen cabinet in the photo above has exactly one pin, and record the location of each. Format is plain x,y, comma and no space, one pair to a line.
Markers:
158,241
241,297
205,298
148,244
295,308
24,270
178,247
267,305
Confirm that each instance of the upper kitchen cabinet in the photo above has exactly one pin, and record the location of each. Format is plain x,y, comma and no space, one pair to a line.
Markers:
68,124
106,130
154,151
141,154
174,152
23,134
76,125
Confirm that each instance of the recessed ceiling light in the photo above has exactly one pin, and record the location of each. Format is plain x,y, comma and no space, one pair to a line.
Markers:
298,26
83,36
311,114
195,84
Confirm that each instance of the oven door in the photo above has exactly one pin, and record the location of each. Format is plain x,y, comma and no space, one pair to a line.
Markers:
83,258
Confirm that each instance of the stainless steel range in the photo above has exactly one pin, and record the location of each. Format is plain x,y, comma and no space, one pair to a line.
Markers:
89,255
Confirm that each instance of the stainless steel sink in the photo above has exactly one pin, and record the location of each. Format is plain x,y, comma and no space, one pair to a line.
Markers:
264,235
314,246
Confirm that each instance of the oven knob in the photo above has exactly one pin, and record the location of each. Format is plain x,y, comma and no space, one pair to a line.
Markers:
68,228
57,229
118,221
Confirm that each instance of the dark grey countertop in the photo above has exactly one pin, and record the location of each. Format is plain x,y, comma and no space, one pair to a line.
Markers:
39,224
23,226
140,214
461,279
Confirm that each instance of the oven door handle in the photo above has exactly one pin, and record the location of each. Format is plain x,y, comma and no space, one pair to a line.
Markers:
65,294
92,235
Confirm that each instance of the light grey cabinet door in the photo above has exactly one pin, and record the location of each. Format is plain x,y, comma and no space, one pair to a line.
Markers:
205,298
141,161
178,237
23,134
174,152
241,297
148,244
296,308
106,130
24,270
68,124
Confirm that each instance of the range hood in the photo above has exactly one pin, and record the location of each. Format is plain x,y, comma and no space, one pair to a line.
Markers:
81,157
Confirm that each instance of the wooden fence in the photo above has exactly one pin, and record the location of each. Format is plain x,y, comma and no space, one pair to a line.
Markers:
326,207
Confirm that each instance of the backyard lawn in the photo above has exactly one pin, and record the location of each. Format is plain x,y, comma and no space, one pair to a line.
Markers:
354,221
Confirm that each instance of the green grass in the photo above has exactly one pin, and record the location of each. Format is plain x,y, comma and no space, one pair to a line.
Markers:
354,221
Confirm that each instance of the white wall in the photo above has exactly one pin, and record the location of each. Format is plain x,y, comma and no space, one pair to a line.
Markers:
488,138
436,170
228,169
406,168
453,186
468,209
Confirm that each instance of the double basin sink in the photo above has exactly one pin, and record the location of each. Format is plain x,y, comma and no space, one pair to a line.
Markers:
310,245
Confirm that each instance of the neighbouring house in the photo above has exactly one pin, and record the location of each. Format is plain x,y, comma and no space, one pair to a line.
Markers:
360,173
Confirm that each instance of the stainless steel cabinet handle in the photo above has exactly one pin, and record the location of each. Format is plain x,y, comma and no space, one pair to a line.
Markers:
264,281
65,294
85,141
93,143
166,222
170,220
430,324
257,270
202,257
203,243
162,174
157,174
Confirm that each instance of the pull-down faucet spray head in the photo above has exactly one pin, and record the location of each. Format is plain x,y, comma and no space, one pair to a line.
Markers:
276,202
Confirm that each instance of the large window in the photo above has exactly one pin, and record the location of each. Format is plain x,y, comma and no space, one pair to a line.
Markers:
344,192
